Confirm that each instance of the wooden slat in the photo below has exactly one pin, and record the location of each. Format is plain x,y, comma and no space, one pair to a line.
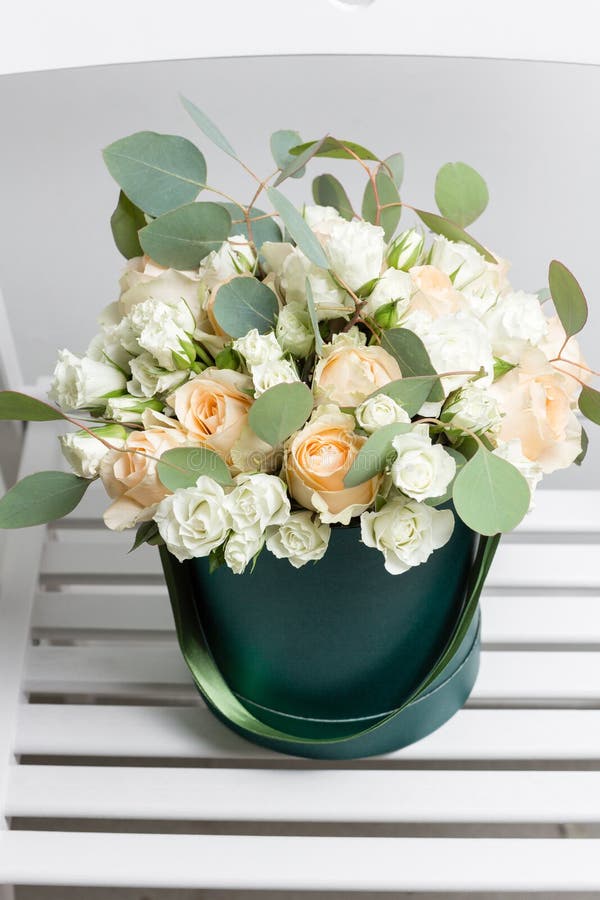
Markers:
194,733
145,610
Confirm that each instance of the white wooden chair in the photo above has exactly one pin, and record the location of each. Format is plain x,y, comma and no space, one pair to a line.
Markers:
112,773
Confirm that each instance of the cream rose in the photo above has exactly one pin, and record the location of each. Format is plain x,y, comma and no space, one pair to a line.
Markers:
433,293
472,408
258,501
131,479
394,286
213,408
241,547
281,371
300,540
143,279
380,410
537,410
421,469
84,453
572,362
316,461
193,521
349,374
258,348
83,383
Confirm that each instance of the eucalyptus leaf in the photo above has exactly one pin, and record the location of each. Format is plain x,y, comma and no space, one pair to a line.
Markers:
23,408
333,148
158,172
568,298
328,191
144,534
244,303
281,141
409,352
585,442
182,466
490,494
209,128
280,411
589,403
410,393
312,312
296,166
298,229
453,232
182,238
41,498
388,193
460,193
125,223
263,230
373,456
394,166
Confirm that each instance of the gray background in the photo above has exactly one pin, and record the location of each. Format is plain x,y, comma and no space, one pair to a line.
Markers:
531,129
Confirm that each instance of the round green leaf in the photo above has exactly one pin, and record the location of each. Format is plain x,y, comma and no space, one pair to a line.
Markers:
181,467
207,126
158,172
394,166
585,442
245,303
409,352
299,230
262,230
41,498
460,193
388,193
453,232
328,191
280,411
297,164
373,456
125,223
182,238
333,148
568,298
23,408
411,393
589,403
490,494
281,142
312,312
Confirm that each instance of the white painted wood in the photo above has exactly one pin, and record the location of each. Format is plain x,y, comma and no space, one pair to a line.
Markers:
194,733
38,36
146,610
299,863
521,619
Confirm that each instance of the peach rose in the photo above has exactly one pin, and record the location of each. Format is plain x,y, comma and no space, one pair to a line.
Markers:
213,408
132,480
317,459
348,375
571,357
538,410
435,294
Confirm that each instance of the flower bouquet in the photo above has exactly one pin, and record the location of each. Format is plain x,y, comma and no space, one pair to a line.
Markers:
274,389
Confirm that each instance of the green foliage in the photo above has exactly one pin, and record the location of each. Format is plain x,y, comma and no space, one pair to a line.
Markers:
490,494
41,498
280,411
297,164
281,141
394,166
374,454
388,193
209,128
145,533
328,191
298,228
589,403
409,352
245,303
585,442
158,172
410,393
312,312
501,367
460,193
568,298
262,230
182,238
125,223
181,467
334,149
23,408
453,232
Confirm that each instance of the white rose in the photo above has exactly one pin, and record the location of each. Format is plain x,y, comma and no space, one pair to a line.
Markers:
515,322
162,329
393,287
321,219
473,408
130,409
352,338
84,453
406,532
143,279
301,539
258,349
241,547
355,250
258,501
84,383
234,257
531,470
480,281
330,300
282,371
407,250
193,521
148,379
458,343
274,254
375,412
421,469
294,331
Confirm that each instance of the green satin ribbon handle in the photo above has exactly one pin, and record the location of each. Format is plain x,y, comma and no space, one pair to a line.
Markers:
217,693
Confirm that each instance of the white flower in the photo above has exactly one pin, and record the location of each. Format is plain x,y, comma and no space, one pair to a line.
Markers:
321,219
233,257
375,412
406,250
458,343
294,331
352,338
406,532
461,261
241,547
301,539
393,287
269,374
531,470
355,250
258,501
148,379
193,521
258,349
129,409
84,453
251,454
330,300
84,383
515,322
143,279
473,408
421,469
162,329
